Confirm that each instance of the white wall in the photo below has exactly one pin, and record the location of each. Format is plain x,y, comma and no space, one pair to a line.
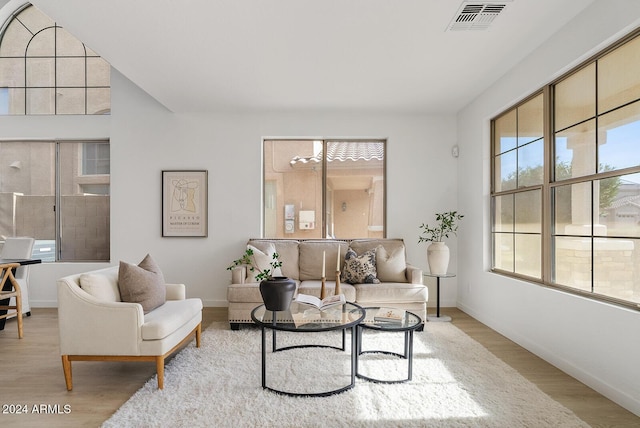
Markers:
596,343
146,138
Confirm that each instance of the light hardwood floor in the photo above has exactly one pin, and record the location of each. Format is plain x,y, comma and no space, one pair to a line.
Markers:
32,376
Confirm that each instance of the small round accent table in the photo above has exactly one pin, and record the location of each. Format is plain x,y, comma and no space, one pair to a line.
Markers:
443,318
408,324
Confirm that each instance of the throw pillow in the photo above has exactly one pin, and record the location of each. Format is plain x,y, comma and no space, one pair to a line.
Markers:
142,284
261,262
102,286
391,265
360,269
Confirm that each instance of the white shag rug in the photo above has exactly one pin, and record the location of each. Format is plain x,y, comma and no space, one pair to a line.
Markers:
456,383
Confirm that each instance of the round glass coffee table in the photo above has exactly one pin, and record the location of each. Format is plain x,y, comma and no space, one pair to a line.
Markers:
407,324
307,319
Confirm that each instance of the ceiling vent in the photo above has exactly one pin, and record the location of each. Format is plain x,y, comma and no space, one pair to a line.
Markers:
476,15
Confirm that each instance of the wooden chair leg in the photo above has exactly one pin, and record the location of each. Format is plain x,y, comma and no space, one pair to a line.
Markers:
160,371
66,367
19,314
198,334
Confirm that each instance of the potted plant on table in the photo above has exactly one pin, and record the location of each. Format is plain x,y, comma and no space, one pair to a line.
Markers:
277,291
437,251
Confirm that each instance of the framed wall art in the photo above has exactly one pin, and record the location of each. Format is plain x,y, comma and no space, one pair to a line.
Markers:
184,203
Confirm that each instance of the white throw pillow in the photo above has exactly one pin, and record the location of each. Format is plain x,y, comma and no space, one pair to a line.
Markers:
102,286
391,266
261,261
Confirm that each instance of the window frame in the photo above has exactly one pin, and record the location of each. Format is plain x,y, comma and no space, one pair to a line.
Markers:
57,87
518,190
323,209
58,165
550,183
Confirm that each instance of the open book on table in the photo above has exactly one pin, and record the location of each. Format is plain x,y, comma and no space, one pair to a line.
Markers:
327,302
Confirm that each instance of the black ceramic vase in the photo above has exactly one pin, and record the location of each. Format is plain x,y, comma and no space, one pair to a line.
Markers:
277,293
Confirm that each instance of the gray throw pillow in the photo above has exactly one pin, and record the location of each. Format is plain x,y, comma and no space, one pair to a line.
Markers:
142,284
360,269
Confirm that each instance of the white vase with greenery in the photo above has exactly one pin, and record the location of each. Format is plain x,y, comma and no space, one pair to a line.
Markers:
438,252
438,257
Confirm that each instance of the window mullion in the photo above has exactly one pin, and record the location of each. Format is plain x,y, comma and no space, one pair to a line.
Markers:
323,206
58,204
547,205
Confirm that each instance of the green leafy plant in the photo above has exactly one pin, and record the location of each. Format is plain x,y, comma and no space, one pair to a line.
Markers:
446,225
249,260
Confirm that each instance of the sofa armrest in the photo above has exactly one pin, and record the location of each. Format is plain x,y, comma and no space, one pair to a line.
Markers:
238,274
414,274
114,326
176,291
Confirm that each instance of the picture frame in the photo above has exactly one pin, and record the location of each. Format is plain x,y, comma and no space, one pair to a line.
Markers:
184,203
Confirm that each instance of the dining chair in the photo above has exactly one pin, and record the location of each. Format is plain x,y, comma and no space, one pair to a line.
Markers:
12,291
20,248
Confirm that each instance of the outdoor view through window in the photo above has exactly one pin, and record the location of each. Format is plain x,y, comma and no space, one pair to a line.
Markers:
52,189
46,70
324,189
579,167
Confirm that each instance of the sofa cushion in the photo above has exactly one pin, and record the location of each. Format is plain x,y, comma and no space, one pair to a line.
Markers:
311,258
169,317
247,292
261,260
391,264
313,287
287,249
392,292
360,268
361,245
102,286
142,284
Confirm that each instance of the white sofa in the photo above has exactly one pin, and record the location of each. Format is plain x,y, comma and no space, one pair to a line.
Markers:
95,325
400,286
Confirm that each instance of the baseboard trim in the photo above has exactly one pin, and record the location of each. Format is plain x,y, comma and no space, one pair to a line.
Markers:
612,393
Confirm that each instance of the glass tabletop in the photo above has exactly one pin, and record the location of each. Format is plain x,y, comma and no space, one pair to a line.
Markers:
439,275
378,318
301,317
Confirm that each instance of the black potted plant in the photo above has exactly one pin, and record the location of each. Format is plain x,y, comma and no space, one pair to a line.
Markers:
276,291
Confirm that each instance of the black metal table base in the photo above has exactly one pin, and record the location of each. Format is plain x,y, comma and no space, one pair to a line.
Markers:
407,355
275,348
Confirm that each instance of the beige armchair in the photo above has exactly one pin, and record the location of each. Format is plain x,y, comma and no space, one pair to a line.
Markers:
96,326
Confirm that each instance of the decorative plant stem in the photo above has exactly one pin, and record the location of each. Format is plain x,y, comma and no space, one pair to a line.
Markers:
446,225
249,260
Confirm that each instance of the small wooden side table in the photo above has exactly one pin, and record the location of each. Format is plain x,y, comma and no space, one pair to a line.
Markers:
443,318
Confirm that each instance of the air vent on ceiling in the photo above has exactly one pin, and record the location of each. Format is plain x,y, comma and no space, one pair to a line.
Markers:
476,16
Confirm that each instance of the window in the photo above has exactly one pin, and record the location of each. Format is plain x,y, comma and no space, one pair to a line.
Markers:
4,101
45,70
95,159
518,178
324,189
576,169
45,194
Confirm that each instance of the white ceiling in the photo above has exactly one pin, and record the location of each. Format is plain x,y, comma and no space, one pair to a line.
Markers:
363,55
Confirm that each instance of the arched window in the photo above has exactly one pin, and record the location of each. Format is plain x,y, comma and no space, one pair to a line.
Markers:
46,70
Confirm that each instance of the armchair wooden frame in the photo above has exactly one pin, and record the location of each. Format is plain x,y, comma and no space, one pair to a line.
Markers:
6,271
159,359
